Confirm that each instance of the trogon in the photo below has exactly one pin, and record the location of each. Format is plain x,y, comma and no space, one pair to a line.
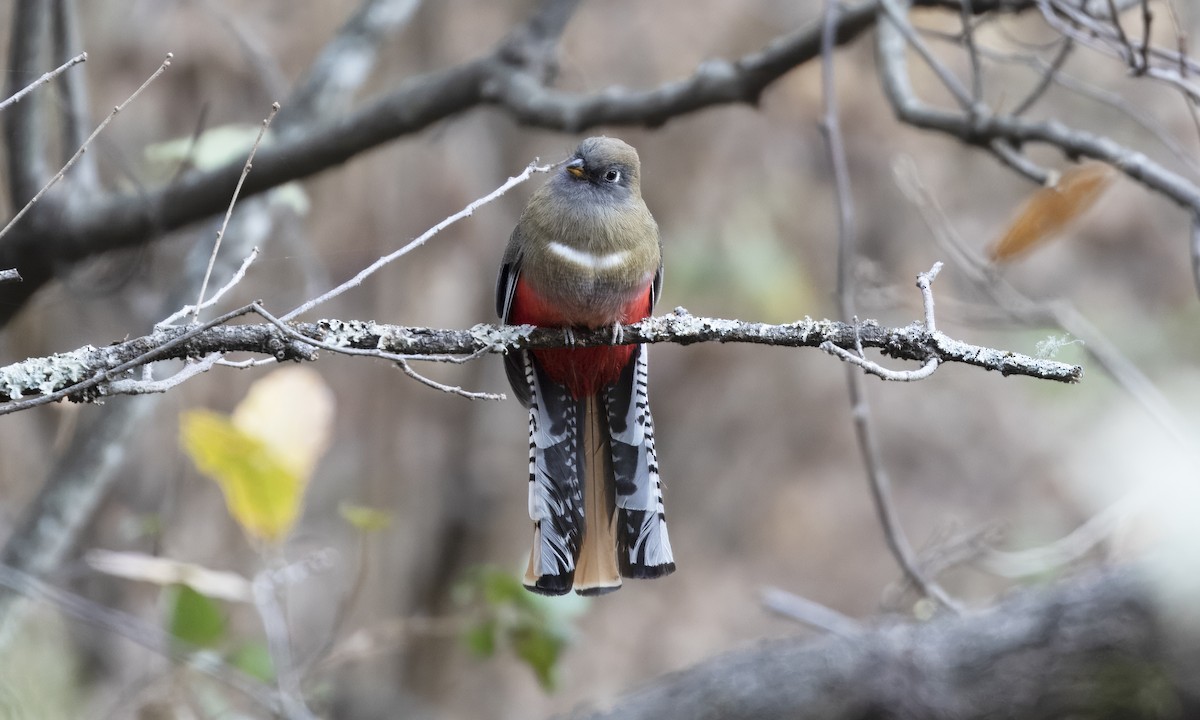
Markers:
586,253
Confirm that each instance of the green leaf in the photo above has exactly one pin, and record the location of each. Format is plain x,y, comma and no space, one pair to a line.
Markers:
540,648
194,618
481,637
254,659
364,518
535,628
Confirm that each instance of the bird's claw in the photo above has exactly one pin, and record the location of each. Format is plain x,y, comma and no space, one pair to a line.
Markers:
569,336
618,333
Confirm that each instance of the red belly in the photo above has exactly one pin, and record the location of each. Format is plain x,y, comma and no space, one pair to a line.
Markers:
584,371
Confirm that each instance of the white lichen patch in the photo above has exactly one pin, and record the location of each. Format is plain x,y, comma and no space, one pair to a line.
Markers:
391,338
45,375
341,333
497,339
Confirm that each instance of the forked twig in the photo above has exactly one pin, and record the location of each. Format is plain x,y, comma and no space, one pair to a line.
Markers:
212,259
83,148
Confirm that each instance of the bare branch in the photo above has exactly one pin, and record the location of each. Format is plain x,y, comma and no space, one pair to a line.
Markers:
24,129
76,115
512,77
346,61
1085,647
81,57
87,373
868,443
803,610
236,278
468,211
212,259
451,389
83,148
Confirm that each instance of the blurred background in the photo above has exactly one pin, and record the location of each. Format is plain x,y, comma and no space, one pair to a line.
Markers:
764,482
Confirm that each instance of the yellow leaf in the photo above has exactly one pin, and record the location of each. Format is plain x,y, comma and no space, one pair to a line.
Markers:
1049,210
262,493
291,410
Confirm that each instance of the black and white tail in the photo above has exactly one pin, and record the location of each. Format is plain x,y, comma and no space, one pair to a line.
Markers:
643,547
555,484
595,496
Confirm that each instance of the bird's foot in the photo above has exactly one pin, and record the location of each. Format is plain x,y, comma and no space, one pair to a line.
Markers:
569,336
618,333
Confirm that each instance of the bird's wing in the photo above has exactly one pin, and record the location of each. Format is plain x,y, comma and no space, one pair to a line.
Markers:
506,288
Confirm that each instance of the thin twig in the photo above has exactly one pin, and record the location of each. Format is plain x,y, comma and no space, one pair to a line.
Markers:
212,259
1123,39
138,631
401,361
237,278
83,148
452,389
900,21
1047,78
81,57
813,614
147,386
270,611
968,39
868,444
1071,547
468,211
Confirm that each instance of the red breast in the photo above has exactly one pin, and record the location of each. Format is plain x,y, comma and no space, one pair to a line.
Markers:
583,370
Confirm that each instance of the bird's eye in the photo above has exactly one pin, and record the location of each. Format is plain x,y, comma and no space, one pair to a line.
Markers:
612,176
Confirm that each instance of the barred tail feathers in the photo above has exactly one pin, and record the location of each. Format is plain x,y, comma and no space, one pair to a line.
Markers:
555,487
643,545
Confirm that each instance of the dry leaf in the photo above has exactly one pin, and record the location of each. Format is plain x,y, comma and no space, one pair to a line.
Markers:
1049,210
291,410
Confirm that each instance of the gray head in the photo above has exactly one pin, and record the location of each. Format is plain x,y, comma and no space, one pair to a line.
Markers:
603,169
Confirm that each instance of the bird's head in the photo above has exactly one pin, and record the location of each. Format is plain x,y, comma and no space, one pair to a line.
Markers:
603,167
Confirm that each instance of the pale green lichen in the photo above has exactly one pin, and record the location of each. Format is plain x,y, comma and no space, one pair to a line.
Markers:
45,375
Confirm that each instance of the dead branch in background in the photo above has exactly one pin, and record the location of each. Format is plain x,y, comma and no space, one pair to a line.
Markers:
1084,647
515,77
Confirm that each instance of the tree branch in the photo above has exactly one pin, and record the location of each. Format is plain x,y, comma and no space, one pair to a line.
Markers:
28,165
84,374
1088,647
513,77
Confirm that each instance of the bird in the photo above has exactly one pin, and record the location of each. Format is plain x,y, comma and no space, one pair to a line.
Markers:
586,254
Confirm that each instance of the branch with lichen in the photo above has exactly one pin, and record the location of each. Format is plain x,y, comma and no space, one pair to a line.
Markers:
90,373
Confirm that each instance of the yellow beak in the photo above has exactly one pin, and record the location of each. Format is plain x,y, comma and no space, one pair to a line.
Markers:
575,167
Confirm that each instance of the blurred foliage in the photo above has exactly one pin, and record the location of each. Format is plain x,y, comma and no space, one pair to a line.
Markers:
214,148
254,659
536,628
40,673
264,454
365,519
262,494
746,263
194,618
